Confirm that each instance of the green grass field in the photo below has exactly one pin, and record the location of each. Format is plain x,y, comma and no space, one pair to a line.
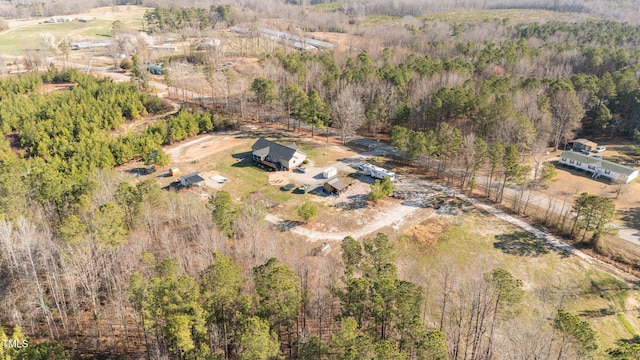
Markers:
28,38
245,178
472,247
97,27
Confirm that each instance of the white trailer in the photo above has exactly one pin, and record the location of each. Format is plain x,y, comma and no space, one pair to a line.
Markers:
329,172
377,172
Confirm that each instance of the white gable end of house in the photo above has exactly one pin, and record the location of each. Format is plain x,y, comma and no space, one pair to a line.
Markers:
598,168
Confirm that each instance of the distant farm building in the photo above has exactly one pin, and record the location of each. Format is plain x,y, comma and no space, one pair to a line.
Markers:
322,250
79,45
169,48
335,186
295,41
277,156
584,144
57,19
191,179
598,167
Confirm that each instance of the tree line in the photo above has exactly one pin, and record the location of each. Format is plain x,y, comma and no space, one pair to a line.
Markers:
174,19
65,135
161,286
509,89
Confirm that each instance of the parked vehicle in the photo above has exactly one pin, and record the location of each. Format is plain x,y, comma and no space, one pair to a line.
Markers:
377,172
600,149
149,170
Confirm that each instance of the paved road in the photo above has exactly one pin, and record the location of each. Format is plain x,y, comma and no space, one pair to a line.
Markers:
624,232
628,234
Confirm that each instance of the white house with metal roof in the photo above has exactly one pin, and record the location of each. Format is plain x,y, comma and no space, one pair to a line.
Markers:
598,167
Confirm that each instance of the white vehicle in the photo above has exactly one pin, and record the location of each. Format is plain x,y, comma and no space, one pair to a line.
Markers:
600,149
377,172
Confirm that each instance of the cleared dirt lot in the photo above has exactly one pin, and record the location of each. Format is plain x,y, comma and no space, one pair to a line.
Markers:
228,154
203,146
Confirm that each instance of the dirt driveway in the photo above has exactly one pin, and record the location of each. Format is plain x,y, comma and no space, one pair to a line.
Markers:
313,174
203,146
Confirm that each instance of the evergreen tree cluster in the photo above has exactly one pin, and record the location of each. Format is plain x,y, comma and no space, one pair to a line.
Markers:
213,313
174,19
510,91
63,136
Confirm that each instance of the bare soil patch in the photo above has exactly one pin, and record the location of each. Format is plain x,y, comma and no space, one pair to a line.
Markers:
428,232
203,146
387,213
48,88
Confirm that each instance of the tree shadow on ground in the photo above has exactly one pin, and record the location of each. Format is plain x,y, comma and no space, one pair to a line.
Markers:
633,340
354,202
520,243
631,217
597,313
287,225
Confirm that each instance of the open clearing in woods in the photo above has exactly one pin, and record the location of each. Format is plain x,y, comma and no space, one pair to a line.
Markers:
25,34
473,243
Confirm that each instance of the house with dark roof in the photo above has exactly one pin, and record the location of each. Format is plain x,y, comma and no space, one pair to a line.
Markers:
598,167
191,179
277,156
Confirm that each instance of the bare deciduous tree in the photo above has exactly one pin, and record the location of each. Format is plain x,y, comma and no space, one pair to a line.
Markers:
347,111
567,113
250,223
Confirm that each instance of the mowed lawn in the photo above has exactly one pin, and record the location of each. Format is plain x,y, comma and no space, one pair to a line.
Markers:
97,27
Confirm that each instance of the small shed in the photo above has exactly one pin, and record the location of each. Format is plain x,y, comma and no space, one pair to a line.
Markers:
324,249
584,144
335,186
219,179
191,179
329,172
174,171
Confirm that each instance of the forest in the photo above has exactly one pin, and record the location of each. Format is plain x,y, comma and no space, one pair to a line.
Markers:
172,19
82,242
481,91
625,10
